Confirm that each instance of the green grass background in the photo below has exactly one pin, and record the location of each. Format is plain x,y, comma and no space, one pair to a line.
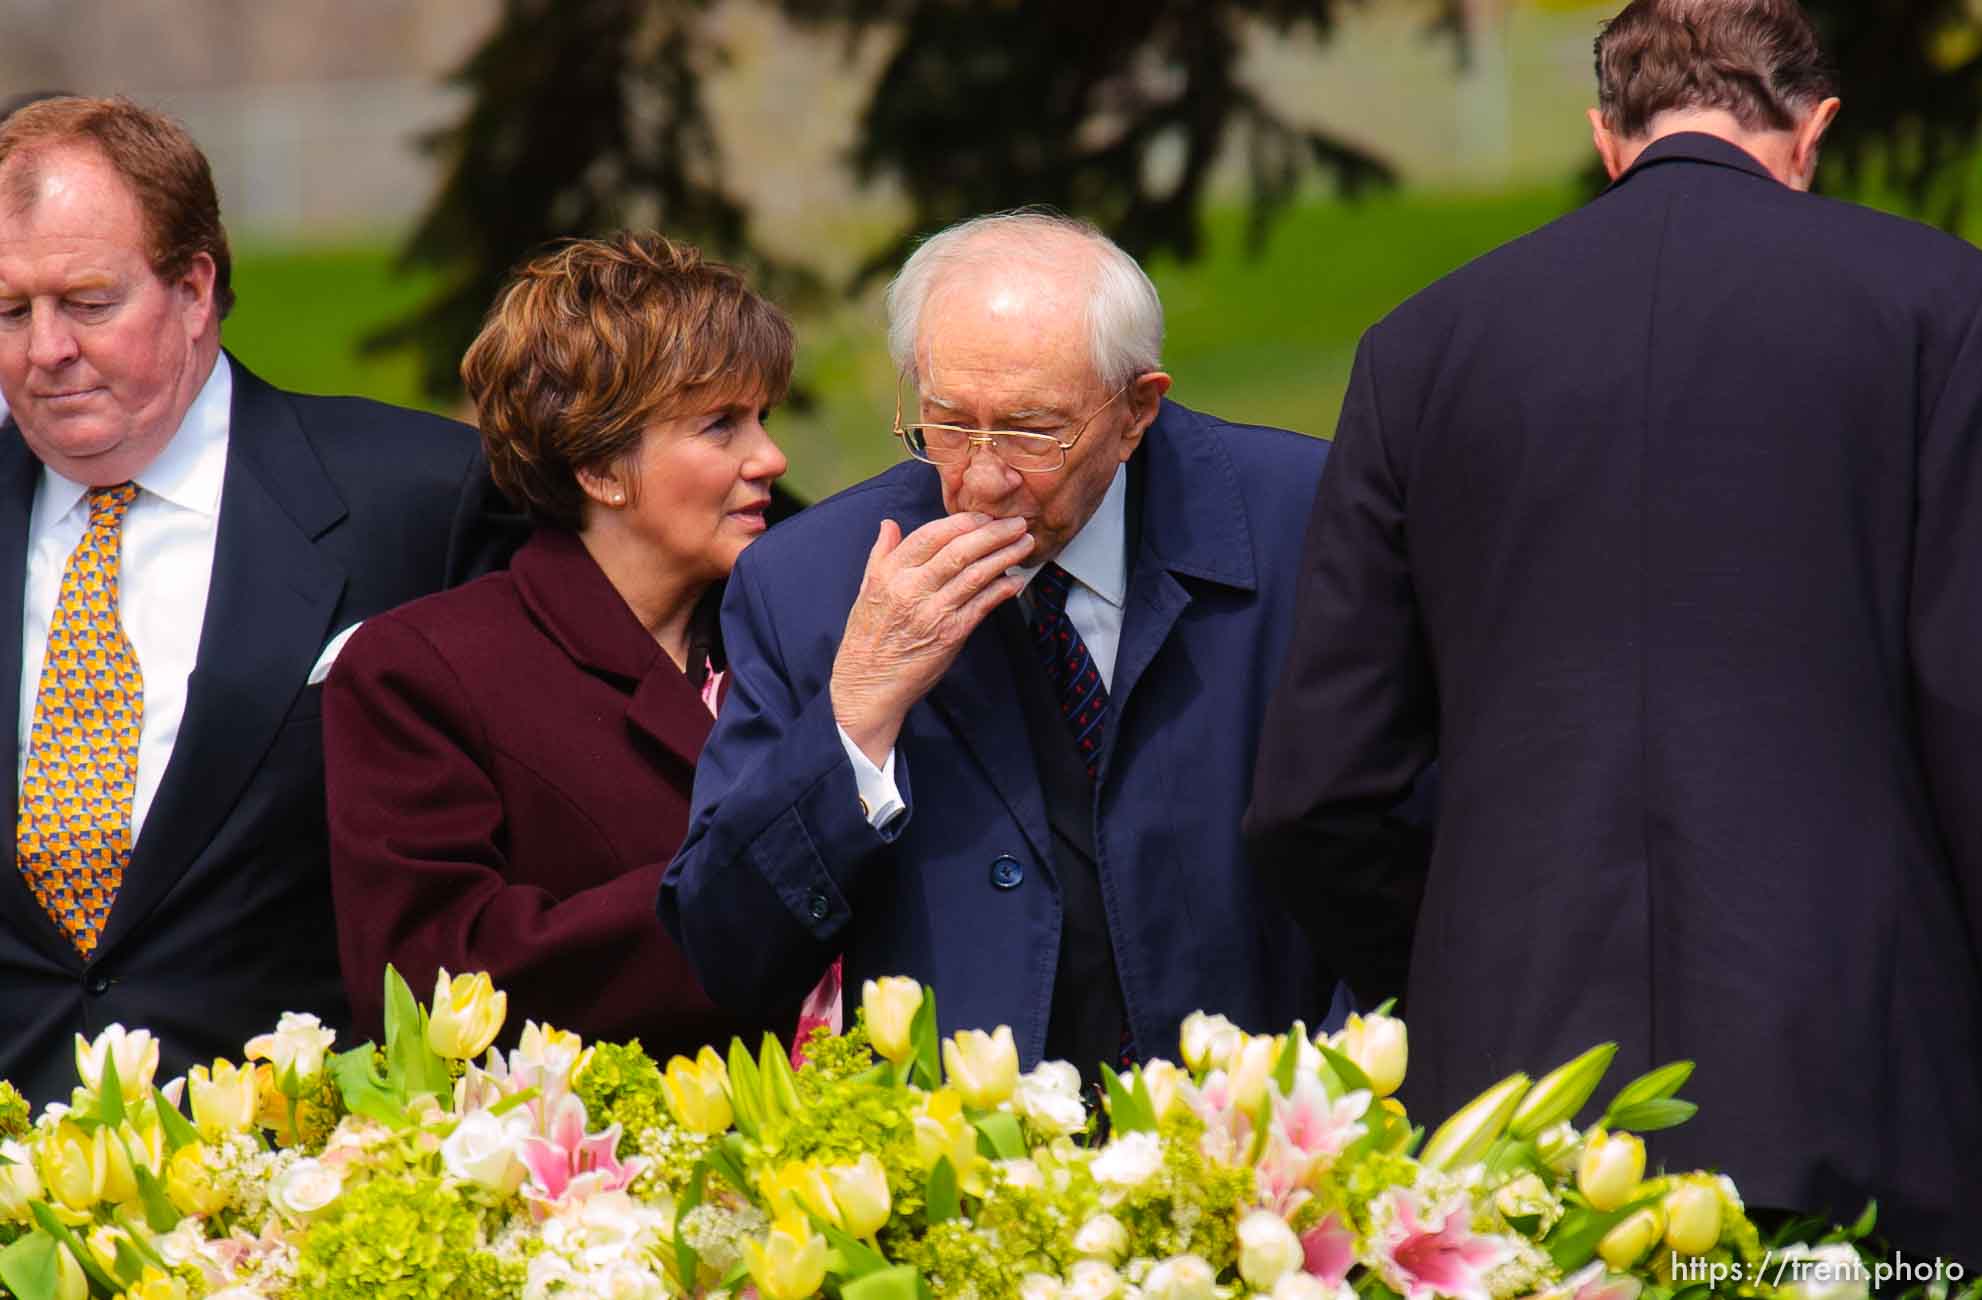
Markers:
1266,338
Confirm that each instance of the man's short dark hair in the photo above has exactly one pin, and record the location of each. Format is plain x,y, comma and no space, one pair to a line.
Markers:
1757,59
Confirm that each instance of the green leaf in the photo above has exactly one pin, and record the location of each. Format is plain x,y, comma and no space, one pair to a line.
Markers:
1867,1219
1525,1224
110,1093
364,1091
998,1135
857,1258
687,1262
54,1227
1125,1113
727,1159
160,1214
130,1266
412,1065
745,1091
30,1267
900,1282
1352,1076
1383,1008
1654,1086
513,1100
941,1197
1651,1116
926,1056
1289,1063
1572,1243
179,1132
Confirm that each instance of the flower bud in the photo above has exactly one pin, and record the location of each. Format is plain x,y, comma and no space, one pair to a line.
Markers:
1379,1048
72,1165
1208,1041
1561,1092
1268,1249
1610,1169
1251,1066
1102,1237
295,1051
467,1015
890,1004
697,1092
983,1067
19,1183
135,1053
1692,1218
223,1098
1559,1147
1465,1137
790,1263
189,1183
1181,1277
861,1191
1627,1243
1162,1079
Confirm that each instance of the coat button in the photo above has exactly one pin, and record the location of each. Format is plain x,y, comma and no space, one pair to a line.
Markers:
98,985
1006,872
818,906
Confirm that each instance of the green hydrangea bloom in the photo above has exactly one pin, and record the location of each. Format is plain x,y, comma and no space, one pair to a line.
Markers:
620,1084
390,1239
16,1116
964,1262
831,1058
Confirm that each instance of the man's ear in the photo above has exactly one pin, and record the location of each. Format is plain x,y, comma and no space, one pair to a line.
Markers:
1145,399
1606,143
1809,140
195,291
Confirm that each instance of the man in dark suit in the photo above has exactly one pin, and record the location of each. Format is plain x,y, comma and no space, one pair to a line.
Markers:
1659,530
900,774
182,549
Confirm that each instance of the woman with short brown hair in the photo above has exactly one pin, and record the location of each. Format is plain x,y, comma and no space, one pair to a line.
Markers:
509,763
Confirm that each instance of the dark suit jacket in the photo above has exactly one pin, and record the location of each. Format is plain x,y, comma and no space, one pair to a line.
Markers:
331,510
781,870
509,766
1662,529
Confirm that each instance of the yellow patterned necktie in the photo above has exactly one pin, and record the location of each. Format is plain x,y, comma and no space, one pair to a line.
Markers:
74,828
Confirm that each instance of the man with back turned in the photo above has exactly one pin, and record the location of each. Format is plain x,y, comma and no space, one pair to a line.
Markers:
1660,530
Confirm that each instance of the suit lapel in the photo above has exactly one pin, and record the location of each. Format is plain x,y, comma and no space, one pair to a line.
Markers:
268,614
19,472
976,699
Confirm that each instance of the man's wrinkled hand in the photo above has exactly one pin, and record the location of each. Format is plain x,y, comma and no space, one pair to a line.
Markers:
920,599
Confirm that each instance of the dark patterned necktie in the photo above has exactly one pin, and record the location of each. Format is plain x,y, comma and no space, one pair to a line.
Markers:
1076,681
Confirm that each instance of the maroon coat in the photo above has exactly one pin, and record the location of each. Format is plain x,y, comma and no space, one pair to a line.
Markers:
508,768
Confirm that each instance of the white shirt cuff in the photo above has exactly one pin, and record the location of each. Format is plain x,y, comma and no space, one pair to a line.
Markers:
880,801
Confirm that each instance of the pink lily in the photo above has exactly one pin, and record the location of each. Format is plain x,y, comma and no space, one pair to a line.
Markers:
1316,1125
1423,1250
569,1164
1227,1128
1330,1250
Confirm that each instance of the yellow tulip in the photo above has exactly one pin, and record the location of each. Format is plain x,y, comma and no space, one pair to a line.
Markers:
861,1192
103,1241
1379,1047
189,1183
136,1056
796,1188
223,1098
155,1285
71,1283
73,1164
698,1092
19,1183
1692,1213
1610,1169
1208,1042
1250,1066
890,1004
790,1263
467,1015
940,1130
1162,1080
1627,1243
983,1067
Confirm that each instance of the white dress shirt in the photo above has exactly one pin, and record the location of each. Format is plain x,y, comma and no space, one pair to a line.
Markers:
166,565
1097,560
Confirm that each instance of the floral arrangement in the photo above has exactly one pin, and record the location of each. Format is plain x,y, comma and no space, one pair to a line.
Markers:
889,1166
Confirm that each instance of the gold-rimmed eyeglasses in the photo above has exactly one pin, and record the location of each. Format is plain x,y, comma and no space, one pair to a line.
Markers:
1028,453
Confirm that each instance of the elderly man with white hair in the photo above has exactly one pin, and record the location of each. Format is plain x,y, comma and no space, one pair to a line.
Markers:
992,713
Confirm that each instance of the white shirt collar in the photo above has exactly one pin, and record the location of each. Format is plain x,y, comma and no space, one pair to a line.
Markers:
191,469
1097,557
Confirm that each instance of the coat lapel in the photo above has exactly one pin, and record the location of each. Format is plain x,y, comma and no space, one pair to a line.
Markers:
1193,526
268,614
571,598
19,472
